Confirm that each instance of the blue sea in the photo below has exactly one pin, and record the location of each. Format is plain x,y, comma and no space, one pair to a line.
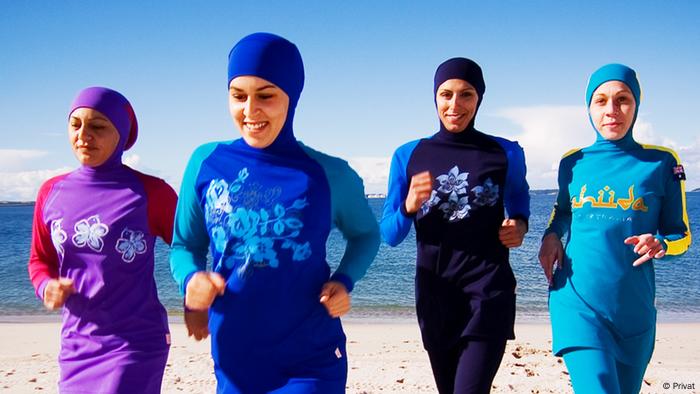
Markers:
386,292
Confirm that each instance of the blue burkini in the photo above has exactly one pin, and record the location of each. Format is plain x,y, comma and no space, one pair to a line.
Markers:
265,214
465,286
607,192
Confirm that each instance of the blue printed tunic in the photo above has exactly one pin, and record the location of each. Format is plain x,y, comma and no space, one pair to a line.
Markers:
607,192
464,283
266,217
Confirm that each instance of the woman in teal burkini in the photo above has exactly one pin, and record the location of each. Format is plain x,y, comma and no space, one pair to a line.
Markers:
622,204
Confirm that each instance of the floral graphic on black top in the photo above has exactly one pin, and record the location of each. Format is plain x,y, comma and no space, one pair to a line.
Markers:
451,197
487,194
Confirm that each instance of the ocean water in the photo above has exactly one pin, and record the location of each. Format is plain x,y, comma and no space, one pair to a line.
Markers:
387,289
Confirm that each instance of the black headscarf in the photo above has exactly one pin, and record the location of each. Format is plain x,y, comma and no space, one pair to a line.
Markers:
464,69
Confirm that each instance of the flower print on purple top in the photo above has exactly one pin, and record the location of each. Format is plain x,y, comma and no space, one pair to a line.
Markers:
58,236
90,232
130,244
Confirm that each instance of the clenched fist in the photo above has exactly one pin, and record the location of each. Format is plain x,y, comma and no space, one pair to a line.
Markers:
57,292
419,191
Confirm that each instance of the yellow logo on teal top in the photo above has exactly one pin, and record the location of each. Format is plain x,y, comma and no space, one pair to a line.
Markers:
636,204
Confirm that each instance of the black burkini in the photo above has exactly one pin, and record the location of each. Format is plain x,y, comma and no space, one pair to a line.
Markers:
465,287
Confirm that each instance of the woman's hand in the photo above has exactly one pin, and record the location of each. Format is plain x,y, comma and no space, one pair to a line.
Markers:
551,253
335,297
512,232
202,288
197,323
647,246
419,191
57,292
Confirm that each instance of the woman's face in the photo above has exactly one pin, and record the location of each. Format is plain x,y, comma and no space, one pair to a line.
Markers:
612,109
258,108
92,136
456,104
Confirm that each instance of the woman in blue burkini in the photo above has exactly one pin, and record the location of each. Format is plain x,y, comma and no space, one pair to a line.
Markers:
264,205
622,204
454,186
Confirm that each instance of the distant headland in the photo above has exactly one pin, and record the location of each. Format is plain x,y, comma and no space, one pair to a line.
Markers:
369,195
15,203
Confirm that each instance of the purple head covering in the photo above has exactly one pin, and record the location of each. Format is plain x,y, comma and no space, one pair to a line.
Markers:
117,109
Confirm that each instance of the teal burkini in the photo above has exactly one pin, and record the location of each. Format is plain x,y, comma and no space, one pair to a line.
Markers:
609,191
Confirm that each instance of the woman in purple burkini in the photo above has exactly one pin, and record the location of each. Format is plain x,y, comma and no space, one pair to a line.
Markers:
92,254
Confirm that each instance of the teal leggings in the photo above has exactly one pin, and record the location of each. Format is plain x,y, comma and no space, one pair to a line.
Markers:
596,371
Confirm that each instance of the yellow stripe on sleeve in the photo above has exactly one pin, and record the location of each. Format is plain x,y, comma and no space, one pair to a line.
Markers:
678,246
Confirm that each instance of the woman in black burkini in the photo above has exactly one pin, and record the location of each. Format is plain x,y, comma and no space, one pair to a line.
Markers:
454,186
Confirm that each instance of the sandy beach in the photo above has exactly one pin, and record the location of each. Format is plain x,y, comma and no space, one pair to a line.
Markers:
384,357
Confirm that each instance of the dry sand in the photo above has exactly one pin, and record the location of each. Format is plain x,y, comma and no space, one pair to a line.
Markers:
384,357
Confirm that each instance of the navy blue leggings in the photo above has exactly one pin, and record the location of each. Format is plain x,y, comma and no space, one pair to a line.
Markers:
468,368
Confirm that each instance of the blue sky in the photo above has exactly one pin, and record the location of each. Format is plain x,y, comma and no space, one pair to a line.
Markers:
369,68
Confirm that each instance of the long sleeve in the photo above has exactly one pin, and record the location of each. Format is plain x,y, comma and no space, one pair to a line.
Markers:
396,223
190,237
560,218
674,227
355,220
43,259
162,201
517,191
352,215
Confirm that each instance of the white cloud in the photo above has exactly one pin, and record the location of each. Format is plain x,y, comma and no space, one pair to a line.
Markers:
688,153
374,171
18,185
690,157
16,159
132,160
550,131
547,133
23,185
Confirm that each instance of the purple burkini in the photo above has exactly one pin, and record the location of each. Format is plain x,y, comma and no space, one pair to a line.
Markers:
97,226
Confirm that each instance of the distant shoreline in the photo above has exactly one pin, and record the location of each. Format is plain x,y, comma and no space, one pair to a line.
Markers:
368,195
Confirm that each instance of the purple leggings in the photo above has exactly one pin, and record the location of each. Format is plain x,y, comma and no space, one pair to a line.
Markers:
467,368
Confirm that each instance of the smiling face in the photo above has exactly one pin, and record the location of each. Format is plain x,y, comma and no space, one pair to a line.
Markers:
456,101
258,108
92,136
612,109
